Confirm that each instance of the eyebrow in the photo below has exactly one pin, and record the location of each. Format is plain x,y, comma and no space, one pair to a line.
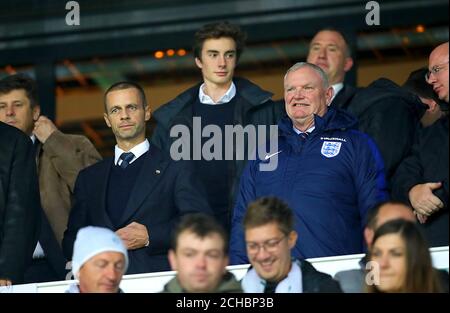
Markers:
327,45
217,51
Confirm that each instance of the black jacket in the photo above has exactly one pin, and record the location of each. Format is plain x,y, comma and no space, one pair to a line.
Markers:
427,163
19,203
254,108
164,191
315,281
390,115
344,97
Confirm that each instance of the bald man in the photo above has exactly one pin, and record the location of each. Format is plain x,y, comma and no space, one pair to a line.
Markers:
438,71
422,178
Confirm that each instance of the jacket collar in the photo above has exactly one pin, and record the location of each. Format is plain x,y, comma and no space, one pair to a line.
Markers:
334,119
252,93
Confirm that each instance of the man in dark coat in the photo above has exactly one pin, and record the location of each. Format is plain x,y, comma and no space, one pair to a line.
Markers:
140,193
390,115
422,178
19,204
220,101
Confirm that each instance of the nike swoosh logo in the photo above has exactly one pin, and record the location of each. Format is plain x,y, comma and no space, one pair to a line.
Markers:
268,156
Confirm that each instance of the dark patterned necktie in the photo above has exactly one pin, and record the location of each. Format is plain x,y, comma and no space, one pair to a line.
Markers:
304,135
126,158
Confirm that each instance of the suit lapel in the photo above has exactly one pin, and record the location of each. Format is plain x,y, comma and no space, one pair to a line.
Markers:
149,176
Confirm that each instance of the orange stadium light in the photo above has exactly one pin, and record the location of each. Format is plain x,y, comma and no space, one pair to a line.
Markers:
181,52
170,52
159,54
420,28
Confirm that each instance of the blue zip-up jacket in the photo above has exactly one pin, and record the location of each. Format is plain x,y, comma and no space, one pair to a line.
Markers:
330,180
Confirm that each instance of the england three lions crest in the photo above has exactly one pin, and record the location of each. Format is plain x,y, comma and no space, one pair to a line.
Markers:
331,149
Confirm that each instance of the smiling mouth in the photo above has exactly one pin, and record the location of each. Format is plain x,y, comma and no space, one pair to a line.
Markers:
300,105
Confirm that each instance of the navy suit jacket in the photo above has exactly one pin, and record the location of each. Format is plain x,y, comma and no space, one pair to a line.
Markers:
164,191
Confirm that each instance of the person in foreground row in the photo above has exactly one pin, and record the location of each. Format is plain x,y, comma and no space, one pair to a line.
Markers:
401,259
99,261
200,254
270,236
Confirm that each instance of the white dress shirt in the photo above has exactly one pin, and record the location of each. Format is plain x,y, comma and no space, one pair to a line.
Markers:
205,99
336,88
137,150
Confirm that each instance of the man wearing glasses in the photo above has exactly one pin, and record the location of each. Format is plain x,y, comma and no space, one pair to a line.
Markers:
422,178
269,238
437,75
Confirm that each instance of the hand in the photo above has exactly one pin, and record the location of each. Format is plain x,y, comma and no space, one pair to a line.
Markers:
134,236
5,282
421,218
423,200
43,128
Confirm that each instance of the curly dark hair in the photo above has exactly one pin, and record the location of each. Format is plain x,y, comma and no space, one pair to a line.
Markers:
219,30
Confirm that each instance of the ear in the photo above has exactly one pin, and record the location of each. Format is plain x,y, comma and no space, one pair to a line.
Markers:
368,236
292,239
105,116
172,260
328,95
198,62
148,112
36,112
348,64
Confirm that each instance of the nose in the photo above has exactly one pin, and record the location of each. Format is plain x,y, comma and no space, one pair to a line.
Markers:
124,115
201,262
112,273
262,254
430,78
322,53
299,93
383,261
10,111
222,61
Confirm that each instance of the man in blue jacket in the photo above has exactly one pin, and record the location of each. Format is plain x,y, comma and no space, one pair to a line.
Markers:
328,173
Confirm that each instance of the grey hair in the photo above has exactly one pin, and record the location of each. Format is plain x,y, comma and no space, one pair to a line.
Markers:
300,65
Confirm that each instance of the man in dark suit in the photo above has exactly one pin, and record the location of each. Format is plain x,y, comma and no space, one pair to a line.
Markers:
59,157
19,204
140,193
330,50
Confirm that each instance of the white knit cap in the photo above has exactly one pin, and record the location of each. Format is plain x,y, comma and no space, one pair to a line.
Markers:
92,241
